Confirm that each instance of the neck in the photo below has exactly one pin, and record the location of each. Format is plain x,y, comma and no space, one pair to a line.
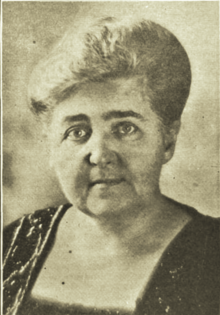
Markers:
130,230
126,223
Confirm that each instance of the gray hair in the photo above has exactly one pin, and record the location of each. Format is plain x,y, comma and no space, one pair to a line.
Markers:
110,49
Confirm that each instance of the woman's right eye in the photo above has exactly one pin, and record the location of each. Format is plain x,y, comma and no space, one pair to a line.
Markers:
78,133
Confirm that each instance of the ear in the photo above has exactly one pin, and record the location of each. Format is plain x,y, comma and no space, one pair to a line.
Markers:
170,137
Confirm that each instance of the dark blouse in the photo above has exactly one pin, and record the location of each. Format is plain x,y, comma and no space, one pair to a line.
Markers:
185,282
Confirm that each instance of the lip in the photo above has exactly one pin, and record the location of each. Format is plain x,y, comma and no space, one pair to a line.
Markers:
107,182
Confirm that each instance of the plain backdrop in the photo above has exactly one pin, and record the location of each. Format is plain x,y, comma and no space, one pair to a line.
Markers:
29,30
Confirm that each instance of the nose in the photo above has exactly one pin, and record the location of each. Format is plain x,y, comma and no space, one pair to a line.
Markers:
100,152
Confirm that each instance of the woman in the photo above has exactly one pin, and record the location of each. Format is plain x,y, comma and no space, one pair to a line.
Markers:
110,97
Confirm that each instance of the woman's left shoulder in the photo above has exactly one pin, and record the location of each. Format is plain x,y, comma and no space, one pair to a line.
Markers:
202,231
202,220
210,224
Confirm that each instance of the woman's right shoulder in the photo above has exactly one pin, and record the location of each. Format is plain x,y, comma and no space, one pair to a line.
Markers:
21,225
29,223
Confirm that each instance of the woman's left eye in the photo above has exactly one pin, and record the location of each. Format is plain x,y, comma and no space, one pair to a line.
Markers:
127,131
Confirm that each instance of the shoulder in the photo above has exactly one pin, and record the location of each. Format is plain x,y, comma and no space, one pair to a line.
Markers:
38,221
23,224
26,244
210,228
204,227
201,222
200,238
208,225
201,241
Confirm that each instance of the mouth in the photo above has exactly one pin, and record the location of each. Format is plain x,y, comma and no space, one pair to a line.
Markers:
107,182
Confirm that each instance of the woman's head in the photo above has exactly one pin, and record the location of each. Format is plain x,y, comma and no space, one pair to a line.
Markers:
107,91
109,50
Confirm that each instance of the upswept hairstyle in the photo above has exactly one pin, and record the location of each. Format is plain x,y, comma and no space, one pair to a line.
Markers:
110,49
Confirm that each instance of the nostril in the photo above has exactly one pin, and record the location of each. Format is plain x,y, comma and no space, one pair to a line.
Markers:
101,158
98,152
88,159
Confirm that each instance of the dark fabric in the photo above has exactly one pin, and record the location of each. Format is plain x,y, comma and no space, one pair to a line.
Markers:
185,282
27,244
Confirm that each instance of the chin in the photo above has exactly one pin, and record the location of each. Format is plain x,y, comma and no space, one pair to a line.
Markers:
104,201
100,207
94,206
115,205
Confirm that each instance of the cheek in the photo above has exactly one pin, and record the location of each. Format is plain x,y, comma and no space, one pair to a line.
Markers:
144,159
64,163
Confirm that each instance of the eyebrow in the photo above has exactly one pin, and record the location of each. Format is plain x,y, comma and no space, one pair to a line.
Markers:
106,116
121,114
75,118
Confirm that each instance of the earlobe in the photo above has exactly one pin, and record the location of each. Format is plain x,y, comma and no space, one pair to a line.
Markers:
170,139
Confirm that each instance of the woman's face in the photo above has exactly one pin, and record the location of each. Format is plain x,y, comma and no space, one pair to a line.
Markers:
107,148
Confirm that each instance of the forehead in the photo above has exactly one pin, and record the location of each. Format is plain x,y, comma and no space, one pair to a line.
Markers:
97,99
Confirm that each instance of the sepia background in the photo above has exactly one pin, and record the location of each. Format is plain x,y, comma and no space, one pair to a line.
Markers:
29,30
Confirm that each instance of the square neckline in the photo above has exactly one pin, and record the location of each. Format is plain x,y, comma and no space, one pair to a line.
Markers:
194,215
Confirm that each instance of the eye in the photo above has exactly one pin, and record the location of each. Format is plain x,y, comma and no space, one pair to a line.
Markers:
127,131
78,133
